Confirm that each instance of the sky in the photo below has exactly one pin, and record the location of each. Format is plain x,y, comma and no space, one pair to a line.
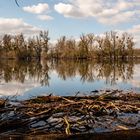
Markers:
70,17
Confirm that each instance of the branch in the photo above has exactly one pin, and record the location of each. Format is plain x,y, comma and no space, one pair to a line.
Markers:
16,3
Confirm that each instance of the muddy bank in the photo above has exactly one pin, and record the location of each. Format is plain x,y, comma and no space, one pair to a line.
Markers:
119,135
101,112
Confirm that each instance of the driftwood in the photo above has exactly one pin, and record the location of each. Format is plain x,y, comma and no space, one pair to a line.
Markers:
105,111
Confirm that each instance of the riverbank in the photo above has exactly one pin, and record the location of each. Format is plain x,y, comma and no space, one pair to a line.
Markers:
99,112
118,135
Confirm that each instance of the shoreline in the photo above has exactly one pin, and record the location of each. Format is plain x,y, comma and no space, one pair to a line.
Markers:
107,112
121,135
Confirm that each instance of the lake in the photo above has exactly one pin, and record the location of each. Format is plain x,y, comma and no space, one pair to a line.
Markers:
29,79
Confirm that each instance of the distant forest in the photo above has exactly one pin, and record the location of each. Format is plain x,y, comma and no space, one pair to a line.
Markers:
88,46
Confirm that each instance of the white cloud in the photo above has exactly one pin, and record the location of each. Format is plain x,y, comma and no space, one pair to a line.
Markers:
135,31
135,81
45,17
124,5
114,12
68,10
15,26
128,16
41,9
37,9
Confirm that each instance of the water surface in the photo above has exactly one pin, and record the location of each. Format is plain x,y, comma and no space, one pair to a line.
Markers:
29,79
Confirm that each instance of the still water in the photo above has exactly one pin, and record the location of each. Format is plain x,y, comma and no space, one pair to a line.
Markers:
28,79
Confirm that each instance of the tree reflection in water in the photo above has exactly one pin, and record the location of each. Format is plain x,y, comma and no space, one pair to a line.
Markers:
93,70
88,71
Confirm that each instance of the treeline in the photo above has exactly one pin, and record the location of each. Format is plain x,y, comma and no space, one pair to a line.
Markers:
90,46
109,46
20,47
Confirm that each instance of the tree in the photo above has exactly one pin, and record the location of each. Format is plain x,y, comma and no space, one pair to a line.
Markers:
20,46
83,46
130,45
6,41
43,40
16,3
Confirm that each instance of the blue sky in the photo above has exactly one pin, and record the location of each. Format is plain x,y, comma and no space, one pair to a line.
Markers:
70,17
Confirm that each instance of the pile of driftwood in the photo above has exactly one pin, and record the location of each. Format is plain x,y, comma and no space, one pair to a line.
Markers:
101,111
